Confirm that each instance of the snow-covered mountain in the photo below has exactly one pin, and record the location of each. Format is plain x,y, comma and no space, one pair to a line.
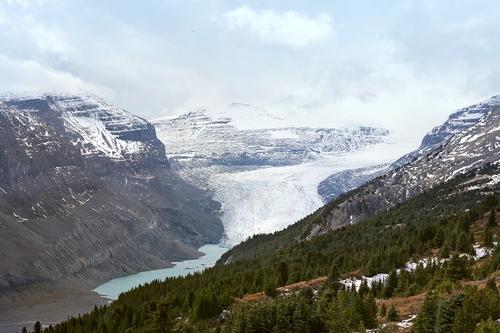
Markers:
86,190
198,138
470,143
458,122
265,172
97,128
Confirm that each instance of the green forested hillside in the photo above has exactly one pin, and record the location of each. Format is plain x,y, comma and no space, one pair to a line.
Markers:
436,223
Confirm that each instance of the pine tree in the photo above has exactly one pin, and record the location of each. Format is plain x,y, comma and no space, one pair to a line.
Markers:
363,288
492,219
446,314
487,326
491,284
439,238
282,273
445,250
391,284
488,238
426,318
393,314
383,310
37,328
270,290
361,327
457,268
24,330
464,243
369,311
333,274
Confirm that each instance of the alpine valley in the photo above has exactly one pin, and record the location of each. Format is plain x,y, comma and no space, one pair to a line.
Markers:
87,194
331,229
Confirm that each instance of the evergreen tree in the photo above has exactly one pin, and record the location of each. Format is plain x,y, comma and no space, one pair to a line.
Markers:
24,330
445,250
361,327
393,314
488,326
464,244
270,290
333,274
488,238
426,318
391,284
282,273
492,218
446,314
383,310
37,328
369,312
363,288
491,284
439,238
457,268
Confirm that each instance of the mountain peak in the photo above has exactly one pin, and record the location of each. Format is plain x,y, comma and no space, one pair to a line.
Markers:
98,128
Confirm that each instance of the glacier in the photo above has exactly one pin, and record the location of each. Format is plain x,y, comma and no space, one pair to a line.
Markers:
270,199
264,171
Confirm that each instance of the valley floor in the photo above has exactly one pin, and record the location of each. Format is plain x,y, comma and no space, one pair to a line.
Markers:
54,308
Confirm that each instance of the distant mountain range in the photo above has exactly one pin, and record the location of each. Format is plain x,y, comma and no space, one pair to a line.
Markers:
87,194
199,139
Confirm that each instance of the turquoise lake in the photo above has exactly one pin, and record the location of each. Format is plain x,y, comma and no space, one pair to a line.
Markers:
113,288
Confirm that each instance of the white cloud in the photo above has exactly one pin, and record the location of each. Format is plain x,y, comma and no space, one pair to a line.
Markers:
20,76
290,27
28,3
28,36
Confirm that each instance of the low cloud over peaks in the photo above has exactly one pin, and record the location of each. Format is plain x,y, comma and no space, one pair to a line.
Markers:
289,27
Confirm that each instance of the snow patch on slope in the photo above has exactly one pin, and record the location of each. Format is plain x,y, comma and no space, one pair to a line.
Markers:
95,138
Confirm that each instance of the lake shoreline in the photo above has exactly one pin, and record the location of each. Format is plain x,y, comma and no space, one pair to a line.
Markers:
211,253
53,306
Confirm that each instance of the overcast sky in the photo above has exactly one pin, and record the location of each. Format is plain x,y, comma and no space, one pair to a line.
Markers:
404,65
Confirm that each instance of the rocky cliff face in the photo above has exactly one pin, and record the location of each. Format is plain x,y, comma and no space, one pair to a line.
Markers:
347,180
87,193
470,143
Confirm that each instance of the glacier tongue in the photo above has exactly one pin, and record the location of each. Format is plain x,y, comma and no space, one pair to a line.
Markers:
270,199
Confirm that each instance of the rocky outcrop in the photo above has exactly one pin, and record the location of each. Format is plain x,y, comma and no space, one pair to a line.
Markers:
87,194
347,180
